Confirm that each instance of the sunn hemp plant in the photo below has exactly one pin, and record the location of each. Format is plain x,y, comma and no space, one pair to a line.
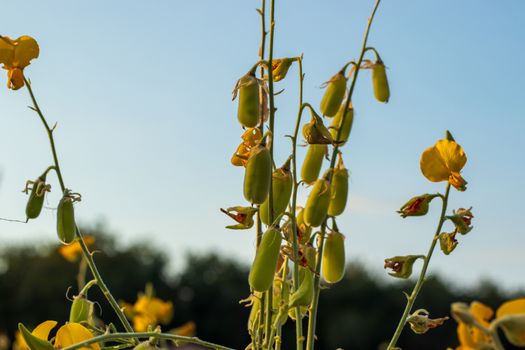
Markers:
299,250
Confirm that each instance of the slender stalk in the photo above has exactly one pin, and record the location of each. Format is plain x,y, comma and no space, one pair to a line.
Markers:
146,335
268,319
81,276
419,284
315,303
295,245
87,254
262,48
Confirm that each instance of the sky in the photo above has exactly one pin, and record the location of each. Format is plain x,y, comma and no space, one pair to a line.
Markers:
141,92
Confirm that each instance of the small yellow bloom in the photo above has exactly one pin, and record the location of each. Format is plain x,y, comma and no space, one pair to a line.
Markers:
443,162
250,138
69,334
149,311
73,252
15,55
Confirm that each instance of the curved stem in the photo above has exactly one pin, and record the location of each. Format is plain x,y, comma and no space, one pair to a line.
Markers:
146,335
87,254
421,279
315,303
295,244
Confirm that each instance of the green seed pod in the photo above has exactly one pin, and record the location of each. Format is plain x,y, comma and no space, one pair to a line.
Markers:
346,127
81,310
282,190
257,175
335,92
317,204
303,230
265,262
35,203
66,220
304,294
313,162
338,189
249,102
333,267
380,82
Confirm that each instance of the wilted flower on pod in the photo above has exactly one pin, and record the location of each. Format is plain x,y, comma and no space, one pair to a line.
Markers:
401,266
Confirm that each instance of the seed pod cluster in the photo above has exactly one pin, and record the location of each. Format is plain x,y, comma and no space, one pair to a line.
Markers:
35,203
282,183
380,82
316,207
333,262
66,225
265,262
338,189
334,94
249,101
257,175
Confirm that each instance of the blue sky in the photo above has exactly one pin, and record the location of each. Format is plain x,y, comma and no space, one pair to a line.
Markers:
146,126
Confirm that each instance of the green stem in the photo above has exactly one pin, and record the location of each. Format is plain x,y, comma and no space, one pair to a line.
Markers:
298,324
87,254
145,335
262,12
315,303
421,279
268,319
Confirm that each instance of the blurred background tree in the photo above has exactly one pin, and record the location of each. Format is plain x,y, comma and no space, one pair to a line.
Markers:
360,312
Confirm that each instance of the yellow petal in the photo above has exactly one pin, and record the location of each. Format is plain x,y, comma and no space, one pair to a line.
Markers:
7,51
26,49
452,154
481,312
73,333
433,166
42,330
141,322
511,307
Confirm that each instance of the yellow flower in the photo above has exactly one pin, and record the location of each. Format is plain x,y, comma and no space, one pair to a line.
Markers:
15,55
443,162
510,316
149,311
73,252
250,138
69,334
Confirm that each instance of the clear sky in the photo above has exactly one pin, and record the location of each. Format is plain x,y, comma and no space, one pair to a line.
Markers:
141,92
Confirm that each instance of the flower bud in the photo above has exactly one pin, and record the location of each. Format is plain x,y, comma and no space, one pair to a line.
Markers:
280,67
447,242
243,215
401,266
420,323
315,132
462,219
417,206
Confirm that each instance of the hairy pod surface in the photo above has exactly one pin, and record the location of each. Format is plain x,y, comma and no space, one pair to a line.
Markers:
81,310
249,101
335,92
265,262
313,162
345,127
257,175
282,184
333,264
338,190
380,82
66,220
317,204
304,294
35,203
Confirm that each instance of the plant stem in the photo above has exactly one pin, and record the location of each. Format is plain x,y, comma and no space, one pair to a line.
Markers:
295,245
419,284
173,337
87,254
269,293
315,303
